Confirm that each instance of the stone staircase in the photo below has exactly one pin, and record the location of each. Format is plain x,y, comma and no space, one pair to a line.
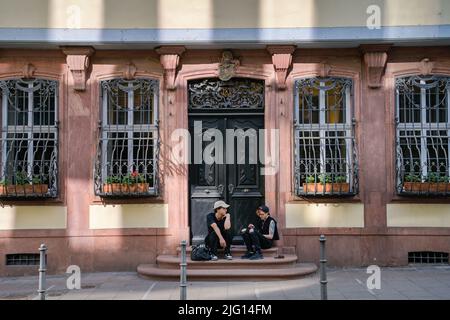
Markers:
278,264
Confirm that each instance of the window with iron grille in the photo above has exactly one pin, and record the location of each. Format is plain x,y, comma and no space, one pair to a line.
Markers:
128,138
423,130
428,257
325,154
23,259
29,147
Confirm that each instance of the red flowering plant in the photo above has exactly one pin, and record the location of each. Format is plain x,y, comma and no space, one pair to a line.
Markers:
132,178
133,182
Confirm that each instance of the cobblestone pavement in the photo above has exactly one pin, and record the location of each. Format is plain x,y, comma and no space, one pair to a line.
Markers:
430,282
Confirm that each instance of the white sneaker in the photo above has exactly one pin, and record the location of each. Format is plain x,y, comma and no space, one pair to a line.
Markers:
228,256
214,257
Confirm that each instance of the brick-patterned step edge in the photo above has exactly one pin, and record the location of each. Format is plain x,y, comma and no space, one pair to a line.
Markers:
173,262
240,250
148,271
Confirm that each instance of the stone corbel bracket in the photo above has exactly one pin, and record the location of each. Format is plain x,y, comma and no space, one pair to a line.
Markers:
170,58
375,58
282,60
78,61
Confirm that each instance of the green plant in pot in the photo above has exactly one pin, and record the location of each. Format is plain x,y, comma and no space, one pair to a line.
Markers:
22,178
131,182
325,178
411,177
327,184
340,179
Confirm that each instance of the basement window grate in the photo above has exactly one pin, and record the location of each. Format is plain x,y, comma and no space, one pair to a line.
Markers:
429,257
23,259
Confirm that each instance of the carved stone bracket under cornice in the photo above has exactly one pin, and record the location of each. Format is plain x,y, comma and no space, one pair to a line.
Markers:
282,60
78,61
170,58
375,58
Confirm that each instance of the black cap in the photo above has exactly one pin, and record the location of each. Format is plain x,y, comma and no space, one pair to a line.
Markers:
264,208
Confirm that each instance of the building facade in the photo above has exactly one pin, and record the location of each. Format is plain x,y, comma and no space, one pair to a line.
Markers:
102,101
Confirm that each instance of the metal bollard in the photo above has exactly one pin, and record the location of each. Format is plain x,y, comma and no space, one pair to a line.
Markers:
183,264
323,271
42,270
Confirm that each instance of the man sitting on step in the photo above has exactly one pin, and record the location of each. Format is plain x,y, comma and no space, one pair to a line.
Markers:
261,236
219,230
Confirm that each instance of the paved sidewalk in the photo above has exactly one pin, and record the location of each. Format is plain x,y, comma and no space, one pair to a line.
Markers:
432,282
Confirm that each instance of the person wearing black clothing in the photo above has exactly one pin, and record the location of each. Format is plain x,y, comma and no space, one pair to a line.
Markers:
261,236
219,230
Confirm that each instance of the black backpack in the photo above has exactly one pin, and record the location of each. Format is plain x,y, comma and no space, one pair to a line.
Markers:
200,253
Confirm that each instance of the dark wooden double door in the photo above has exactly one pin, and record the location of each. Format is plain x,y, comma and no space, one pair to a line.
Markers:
238,182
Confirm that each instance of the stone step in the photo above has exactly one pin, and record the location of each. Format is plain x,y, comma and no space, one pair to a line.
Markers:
296,271
173,262
238,251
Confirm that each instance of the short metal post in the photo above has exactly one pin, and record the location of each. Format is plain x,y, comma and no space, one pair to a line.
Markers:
323,270
183,264
42,270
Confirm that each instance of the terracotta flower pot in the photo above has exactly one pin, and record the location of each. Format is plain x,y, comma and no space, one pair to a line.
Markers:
27,189
326,188
426,187
123,188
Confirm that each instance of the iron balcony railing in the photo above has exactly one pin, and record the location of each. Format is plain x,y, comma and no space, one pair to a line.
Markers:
128,149
325,148
29,148
423,130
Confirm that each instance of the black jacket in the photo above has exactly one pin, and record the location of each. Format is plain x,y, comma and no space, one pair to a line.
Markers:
264,227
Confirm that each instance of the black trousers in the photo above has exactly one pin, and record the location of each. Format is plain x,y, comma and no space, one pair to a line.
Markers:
255,241
212,241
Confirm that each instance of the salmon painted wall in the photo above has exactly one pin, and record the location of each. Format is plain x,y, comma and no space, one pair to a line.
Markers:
363,234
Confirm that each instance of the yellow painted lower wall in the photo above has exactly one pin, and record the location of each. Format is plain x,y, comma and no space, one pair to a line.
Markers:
418,215
33,217
128,216
331,215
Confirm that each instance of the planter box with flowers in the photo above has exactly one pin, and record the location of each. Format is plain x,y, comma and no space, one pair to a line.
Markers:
326,184
131,183
23,186
432,183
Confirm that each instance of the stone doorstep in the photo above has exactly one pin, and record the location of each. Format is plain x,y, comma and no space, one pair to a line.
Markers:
173,262
240,250
148,271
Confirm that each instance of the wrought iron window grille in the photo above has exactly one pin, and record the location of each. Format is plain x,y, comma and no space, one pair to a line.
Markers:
237,94
127,155
29,146
428,257
422,135
23,259
325,148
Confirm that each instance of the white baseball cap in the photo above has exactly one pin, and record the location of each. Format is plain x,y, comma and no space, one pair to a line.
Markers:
220,204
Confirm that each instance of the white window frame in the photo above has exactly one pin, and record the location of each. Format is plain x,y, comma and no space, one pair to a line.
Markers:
27,130
423,126
323,127
130,128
